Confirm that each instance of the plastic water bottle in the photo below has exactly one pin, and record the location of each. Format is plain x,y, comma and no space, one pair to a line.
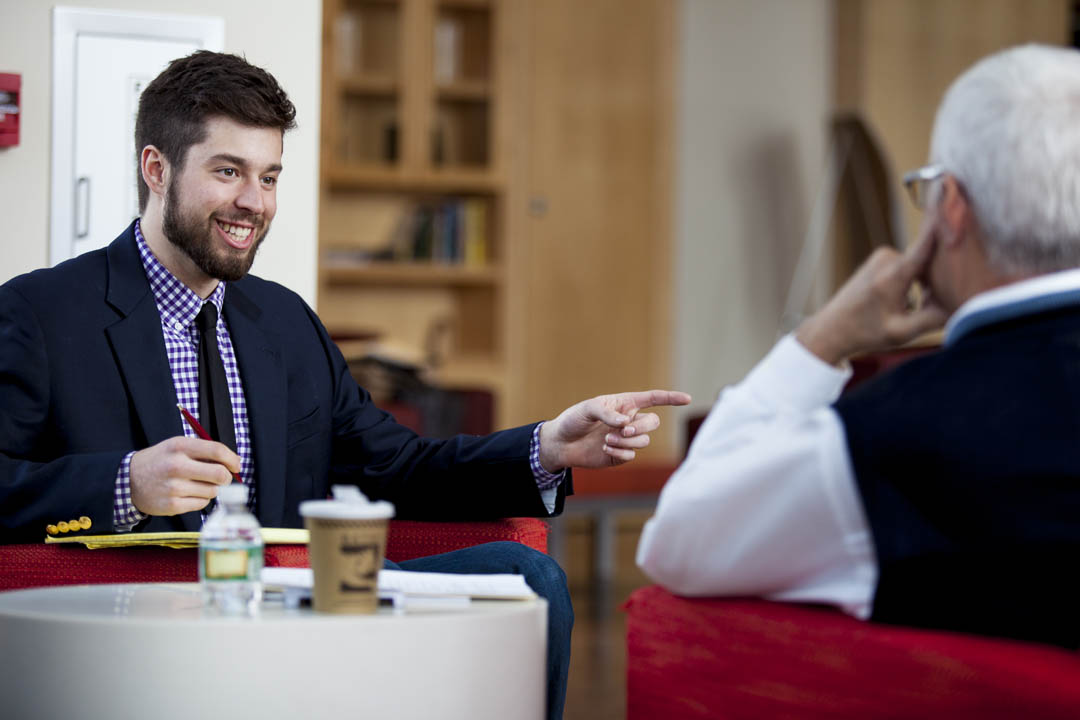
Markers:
231,555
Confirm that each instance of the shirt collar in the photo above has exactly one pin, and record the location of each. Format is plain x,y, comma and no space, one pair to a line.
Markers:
1026,297
177,303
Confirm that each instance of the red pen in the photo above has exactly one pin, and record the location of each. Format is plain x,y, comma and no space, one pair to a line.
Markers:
199,430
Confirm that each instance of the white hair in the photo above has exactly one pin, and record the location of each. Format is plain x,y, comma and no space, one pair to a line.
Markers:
1009,131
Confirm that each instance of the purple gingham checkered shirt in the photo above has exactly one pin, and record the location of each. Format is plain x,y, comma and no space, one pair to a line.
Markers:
544,479
178,305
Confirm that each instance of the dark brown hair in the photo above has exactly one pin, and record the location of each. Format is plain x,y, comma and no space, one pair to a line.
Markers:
175,106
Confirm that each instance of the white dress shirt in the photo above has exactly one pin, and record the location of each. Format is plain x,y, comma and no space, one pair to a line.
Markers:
766,503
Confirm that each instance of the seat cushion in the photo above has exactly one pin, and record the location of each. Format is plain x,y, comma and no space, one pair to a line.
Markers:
728,658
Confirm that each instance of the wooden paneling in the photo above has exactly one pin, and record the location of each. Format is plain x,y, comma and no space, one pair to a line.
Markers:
894,60
596,248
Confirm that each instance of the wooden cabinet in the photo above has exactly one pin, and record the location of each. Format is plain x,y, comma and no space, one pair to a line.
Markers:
546,122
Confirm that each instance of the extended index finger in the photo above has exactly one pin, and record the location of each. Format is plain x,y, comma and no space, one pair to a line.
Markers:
918,257
654,398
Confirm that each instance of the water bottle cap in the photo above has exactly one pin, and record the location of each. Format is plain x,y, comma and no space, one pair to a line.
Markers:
233,493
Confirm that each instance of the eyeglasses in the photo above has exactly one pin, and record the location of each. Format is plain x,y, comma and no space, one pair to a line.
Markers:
918,183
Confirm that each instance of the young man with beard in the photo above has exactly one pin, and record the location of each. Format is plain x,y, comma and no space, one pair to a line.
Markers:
96,353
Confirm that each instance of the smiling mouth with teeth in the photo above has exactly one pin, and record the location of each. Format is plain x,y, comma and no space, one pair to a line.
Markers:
237,233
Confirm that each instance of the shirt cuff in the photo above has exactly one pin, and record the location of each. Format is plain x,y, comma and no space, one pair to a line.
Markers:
792,376
125,514
544,479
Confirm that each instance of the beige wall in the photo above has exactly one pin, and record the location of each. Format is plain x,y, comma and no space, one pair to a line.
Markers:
281,35
754,94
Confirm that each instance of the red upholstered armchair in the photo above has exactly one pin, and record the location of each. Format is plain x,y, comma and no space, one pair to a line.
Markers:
739,658
24,566
730,658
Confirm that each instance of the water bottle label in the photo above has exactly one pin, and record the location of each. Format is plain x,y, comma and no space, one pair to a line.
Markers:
227,564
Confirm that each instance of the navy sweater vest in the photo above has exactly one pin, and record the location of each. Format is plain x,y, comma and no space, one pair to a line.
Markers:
968,465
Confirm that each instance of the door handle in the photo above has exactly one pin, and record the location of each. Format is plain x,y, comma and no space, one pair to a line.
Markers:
82,184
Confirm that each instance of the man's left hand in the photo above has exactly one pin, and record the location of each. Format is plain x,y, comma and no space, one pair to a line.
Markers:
603,431
873,310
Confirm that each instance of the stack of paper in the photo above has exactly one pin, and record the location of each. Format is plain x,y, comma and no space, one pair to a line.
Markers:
478,587
411,590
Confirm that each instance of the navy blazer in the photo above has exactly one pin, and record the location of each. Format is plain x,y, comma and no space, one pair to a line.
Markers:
85,379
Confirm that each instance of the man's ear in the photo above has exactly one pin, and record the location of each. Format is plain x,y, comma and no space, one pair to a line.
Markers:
155,170
955,210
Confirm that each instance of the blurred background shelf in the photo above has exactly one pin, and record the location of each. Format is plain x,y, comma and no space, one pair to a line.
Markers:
342,177
408,273
370,85
474,91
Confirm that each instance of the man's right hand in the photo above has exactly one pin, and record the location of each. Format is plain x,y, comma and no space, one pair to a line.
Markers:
180,474
872,310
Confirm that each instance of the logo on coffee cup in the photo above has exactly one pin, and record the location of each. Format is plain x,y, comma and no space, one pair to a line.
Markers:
361,565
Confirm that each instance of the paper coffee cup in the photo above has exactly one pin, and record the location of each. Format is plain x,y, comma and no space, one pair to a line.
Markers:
348,543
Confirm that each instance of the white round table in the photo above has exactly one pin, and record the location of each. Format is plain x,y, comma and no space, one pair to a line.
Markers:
151,651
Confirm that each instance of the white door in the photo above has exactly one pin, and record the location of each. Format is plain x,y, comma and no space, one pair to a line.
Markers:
109,77
102,59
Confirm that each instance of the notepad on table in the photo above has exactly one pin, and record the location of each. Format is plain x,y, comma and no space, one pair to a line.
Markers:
184,539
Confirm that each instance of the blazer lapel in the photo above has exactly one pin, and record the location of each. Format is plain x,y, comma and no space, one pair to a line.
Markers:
262,371
139,346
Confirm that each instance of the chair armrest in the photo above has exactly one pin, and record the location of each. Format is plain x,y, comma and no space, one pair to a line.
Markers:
38,564
410,539
727,658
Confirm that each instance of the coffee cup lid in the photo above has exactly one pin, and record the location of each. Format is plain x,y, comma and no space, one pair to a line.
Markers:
348,504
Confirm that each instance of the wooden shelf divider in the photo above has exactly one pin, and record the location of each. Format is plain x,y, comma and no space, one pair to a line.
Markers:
465,90
370,85
410,273
383,178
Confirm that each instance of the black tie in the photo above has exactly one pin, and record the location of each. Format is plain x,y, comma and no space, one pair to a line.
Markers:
215,407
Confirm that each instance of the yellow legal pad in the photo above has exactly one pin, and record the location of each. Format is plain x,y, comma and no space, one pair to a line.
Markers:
271,536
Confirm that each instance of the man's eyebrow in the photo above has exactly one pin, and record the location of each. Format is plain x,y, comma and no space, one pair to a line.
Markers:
240,162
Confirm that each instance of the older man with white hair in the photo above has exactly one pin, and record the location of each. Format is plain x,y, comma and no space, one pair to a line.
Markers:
945,493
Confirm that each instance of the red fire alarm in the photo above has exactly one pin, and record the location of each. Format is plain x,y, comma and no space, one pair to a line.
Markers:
9,109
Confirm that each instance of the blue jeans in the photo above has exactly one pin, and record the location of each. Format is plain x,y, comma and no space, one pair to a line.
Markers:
542,574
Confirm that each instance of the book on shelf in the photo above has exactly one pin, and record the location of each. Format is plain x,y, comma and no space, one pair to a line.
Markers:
447,50
347,35
474,231
452,232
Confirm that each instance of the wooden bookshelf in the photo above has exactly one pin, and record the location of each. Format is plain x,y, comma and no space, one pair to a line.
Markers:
554,117
413,207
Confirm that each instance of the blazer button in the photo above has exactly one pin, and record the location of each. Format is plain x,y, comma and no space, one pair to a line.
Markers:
62,526
52,529
84,523
74,526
